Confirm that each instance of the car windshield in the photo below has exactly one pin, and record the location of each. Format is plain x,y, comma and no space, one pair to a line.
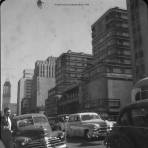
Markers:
90,117
25,122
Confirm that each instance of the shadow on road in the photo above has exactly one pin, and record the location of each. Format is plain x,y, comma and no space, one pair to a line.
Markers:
83,142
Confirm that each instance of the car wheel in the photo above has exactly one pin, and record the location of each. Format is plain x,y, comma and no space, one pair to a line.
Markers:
87,135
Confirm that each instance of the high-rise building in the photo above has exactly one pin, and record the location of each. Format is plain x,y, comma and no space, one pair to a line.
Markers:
69,68
6,94
24,89
108,80
111,43
138,22
43,80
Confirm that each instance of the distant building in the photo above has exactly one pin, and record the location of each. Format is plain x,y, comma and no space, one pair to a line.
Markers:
43,80
69,68
25,105
51,105
6,94
24,89
138,22
70,101
13,108
108,80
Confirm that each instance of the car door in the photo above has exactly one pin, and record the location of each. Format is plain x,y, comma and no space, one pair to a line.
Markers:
70,126
77,126
124,123
139,116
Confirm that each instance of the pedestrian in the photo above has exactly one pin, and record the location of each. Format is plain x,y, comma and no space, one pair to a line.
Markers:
6,127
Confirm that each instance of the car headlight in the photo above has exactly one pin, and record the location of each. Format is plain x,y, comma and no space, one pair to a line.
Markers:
96,126
61,136
25,141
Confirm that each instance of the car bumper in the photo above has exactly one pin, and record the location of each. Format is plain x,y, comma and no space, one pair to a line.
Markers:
98,134
61,146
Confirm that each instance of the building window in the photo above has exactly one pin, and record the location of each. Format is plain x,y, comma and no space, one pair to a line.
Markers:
117,70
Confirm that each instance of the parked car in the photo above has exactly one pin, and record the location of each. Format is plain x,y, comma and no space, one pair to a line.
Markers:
34,131
131,130
88,125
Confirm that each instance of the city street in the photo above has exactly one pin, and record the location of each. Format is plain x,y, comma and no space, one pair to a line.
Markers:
81,143
78,143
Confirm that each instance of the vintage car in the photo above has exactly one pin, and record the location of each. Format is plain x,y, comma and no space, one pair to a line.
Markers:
34,131
88,125
131,129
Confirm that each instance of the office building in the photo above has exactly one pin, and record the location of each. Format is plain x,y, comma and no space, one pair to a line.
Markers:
24,89
43,80
69,68
107,84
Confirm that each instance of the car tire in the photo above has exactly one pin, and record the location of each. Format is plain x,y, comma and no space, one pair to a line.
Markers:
87,135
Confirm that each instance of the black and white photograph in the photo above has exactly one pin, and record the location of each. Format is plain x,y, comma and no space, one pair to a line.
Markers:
74,74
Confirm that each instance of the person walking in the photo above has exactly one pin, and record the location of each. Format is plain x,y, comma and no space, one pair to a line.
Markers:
6,127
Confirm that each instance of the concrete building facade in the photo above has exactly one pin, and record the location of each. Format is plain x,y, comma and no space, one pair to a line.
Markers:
24,89
43,80
51,106
106,82
69,68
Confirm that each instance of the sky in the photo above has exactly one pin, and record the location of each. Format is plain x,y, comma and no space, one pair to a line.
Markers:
30,33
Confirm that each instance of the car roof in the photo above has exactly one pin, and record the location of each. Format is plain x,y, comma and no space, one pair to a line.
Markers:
140,103
85,113
29,115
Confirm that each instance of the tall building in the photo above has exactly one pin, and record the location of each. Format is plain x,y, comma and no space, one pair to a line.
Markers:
6,94
138,22
111,43
24,89
69,68
107,84
68,72
43,80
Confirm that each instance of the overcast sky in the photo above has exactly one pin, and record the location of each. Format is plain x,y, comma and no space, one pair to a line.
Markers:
29,33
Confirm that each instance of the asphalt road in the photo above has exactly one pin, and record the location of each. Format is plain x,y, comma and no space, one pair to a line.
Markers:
78,143
81,143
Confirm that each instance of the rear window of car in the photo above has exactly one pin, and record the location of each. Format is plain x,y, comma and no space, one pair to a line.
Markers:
89,117
140,117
